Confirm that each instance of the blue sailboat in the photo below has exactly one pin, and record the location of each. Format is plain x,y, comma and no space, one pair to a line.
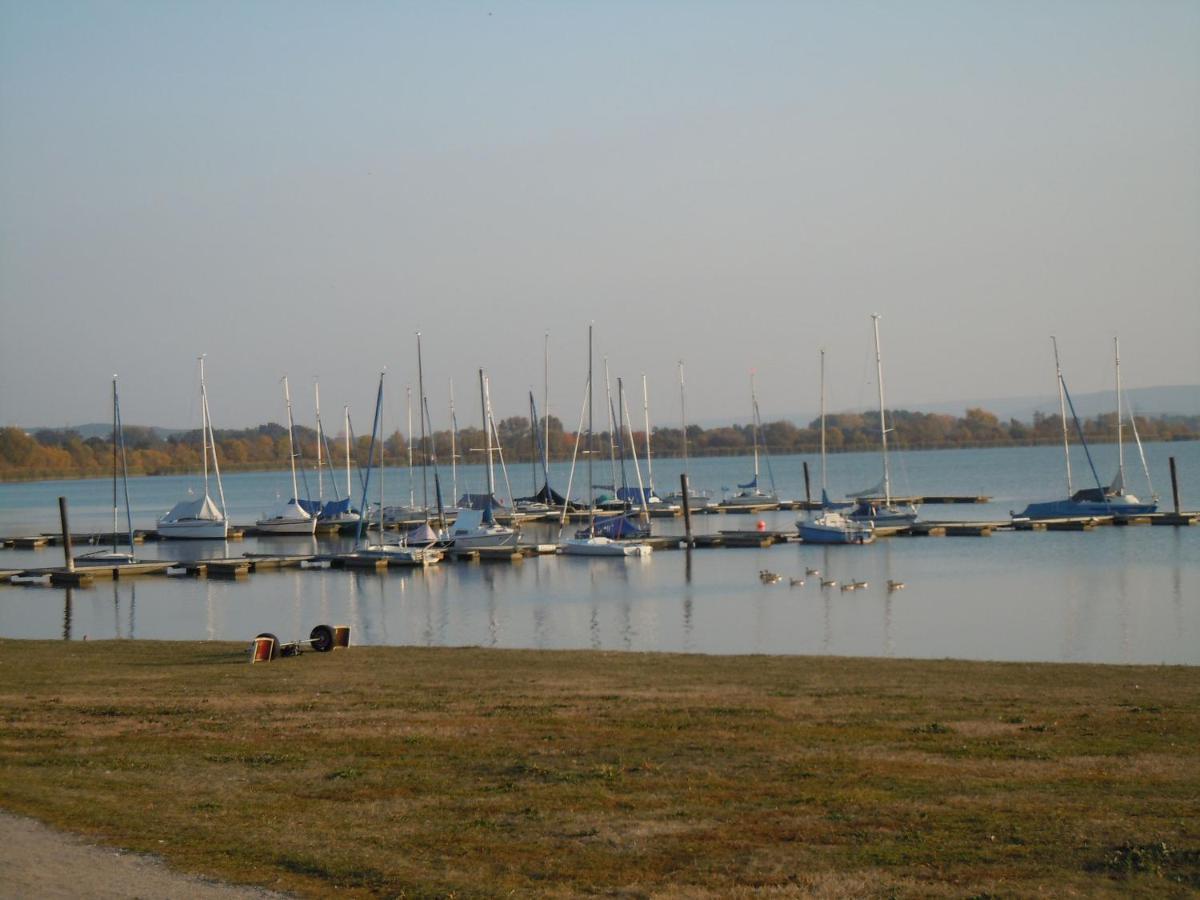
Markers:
1102,500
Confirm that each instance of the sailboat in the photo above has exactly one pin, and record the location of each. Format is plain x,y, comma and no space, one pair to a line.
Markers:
1097,501
390,550
586,541
696,499
831,526
335,515
751,497
199,519
114,556
476,526
290,517
881,511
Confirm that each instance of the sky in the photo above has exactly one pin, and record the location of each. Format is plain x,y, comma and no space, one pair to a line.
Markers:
299,187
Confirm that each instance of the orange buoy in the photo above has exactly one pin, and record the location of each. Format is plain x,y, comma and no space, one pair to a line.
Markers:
762,526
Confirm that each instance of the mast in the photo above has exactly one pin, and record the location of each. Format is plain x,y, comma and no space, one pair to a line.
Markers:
287,396
683,417
1062,407
124,467
487,435
366,485
646,416
320,440
612,427
546,399
887,475
637,469
453,447
346,412
754,427
591,479
114,445
1120,444
203,425
421,416
823,492
621,407
412,498
533,444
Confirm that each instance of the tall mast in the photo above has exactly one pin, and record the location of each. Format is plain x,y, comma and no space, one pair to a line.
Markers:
114,443
646,416
1120,444
823,426
1062,407
124,466
421,416
346,412
637,469
320,440
591,479
412,498
612,426
546,399
453,446
754,426
533,442
287,396
683,416
621,428
887,475
487,435
203,425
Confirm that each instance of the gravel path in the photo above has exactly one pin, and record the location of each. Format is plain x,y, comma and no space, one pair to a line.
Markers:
38,861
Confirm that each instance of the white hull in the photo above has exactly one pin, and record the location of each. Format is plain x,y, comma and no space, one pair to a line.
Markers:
104,558
286,526
194,530
602,546
416,556
489,537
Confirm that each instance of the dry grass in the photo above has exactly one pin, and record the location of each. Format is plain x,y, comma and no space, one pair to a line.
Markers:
410,772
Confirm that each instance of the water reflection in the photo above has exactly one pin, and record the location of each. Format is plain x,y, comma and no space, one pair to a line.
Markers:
68,598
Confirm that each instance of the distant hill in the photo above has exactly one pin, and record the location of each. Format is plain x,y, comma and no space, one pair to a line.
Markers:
1180,399
104,430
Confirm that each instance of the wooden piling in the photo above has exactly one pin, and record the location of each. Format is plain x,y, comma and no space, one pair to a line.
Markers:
66,533
687,511
807,488
1174,486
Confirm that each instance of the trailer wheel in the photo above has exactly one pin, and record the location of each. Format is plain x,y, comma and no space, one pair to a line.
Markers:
274,645
322,638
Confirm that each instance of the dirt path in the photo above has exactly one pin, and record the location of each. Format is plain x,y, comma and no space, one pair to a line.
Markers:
40,862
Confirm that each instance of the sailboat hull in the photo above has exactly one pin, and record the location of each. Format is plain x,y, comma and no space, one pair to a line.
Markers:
882,515
834,528
194,530
601,546
1071,509
286,526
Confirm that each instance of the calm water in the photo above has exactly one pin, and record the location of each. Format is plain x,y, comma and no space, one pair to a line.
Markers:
1111,595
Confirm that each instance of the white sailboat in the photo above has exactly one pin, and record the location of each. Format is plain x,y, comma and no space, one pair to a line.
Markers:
290,517
395,551
881,511
114,556
200,519
831,526
697,499
477,527
586,542
750,496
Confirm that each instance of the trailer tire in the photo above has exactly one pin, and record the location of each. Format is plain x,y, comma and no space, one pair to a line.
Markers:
322,638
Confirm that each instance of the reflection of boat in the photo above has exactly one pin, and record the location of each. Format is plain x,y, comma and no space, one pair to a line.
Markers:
1111,500
587,542
290,517
200,519
751,497
881,510
114,556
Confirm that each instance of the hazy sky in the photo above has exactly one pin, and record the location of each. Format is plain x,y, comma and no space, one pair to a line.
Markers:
297,187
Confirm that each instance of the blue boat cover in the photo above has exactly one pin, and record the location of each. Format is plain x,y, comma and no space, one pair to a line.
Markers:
616,527
752,484
636,496
480,501
330,509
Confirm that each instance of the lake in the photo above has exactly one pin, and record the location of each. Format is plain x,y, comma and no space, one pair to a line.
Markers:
1111,595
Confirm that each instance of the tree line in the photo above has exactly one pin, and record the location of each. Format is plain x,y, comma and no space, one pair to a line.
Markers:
59,453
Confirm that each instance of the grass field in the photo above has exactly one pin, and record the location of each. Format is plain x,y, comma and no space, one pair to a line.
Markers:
443,772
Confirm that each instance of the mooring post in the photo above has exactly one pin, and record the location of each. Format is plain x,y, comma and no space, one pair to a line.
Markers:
1174,486
807,488
66,533
687,511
